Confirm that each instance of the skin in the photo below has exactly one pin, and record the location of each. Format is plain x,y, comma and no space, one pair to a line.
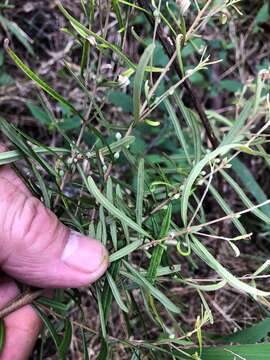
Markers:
37,249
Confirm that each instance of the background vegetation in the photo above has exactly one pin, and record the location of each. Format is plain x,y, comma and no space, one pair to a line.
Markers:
145,125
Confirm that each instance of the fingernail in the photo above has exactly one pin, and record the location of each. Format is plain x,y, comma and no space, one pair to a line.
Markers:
84,254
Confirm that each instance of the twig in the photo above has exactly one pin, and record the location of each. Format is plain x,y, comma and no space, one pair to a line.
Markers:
169,46
25,299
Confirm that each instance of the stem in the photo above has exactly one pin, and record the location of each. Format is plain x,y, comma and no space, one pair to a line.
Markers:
25,299
169,47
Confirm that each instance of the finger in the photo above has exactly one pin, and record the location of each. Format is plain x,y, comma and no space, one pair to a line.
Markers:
22,327
38,249
8,173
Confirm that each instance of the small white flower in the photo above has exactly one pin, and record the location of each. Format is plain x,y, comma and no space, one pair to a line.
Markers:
118,136
116,155
184,5
123,80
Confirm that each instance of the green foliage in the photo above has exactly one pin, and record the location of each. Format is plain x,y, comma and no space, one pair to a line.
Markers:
132,166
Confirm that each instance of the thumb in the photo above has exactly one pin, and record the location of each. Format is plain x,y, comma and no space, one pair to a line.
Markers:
37,249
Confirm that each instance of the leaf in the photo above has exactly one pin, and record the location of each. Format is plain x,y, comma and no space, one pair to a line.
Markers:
39,114
18,33
93,189
125,250
157,294
116,293
121,100
248,203
193,123
117,10
113,228
65,343
42,84
250,184
178,130
262,15
56,338
159,249
85,347
250,335
226,208
140,193
209,259
230,85
12,156
2,335
233,134
138,81
237,352
195,172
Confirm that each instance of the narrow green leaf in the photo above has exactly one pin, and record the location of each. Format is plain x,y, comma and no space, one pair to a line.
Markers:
177,127
159,249
2,335
138,81
56,338
250,335
140,192
233,134
113,228
157,294
250,184
195,172
93,189
41,83
9,157
116,293
125,250
227,210
65,343
209,259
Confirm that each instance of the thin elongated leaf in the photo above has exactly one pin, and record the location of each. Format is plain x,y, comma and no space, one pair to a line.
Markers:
157,294
41,83
101,313
233,134
85,347
124,226
193,123
116,293
250,184
140,192
159,249
117,10
177,127
92,188
250,335
125,250
113,228
249,204
220,151
18,33
86,33
56,338
114,147
2,334
237,352
65,343
138,81
226,208
9,157
106,296
209,259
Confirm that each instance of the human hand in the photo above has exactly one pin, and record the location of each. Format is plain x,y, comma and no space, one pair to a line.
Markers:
38,250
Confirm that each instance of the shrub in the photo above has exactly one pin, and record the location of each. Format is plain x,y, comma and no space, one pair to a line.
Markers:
139,164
